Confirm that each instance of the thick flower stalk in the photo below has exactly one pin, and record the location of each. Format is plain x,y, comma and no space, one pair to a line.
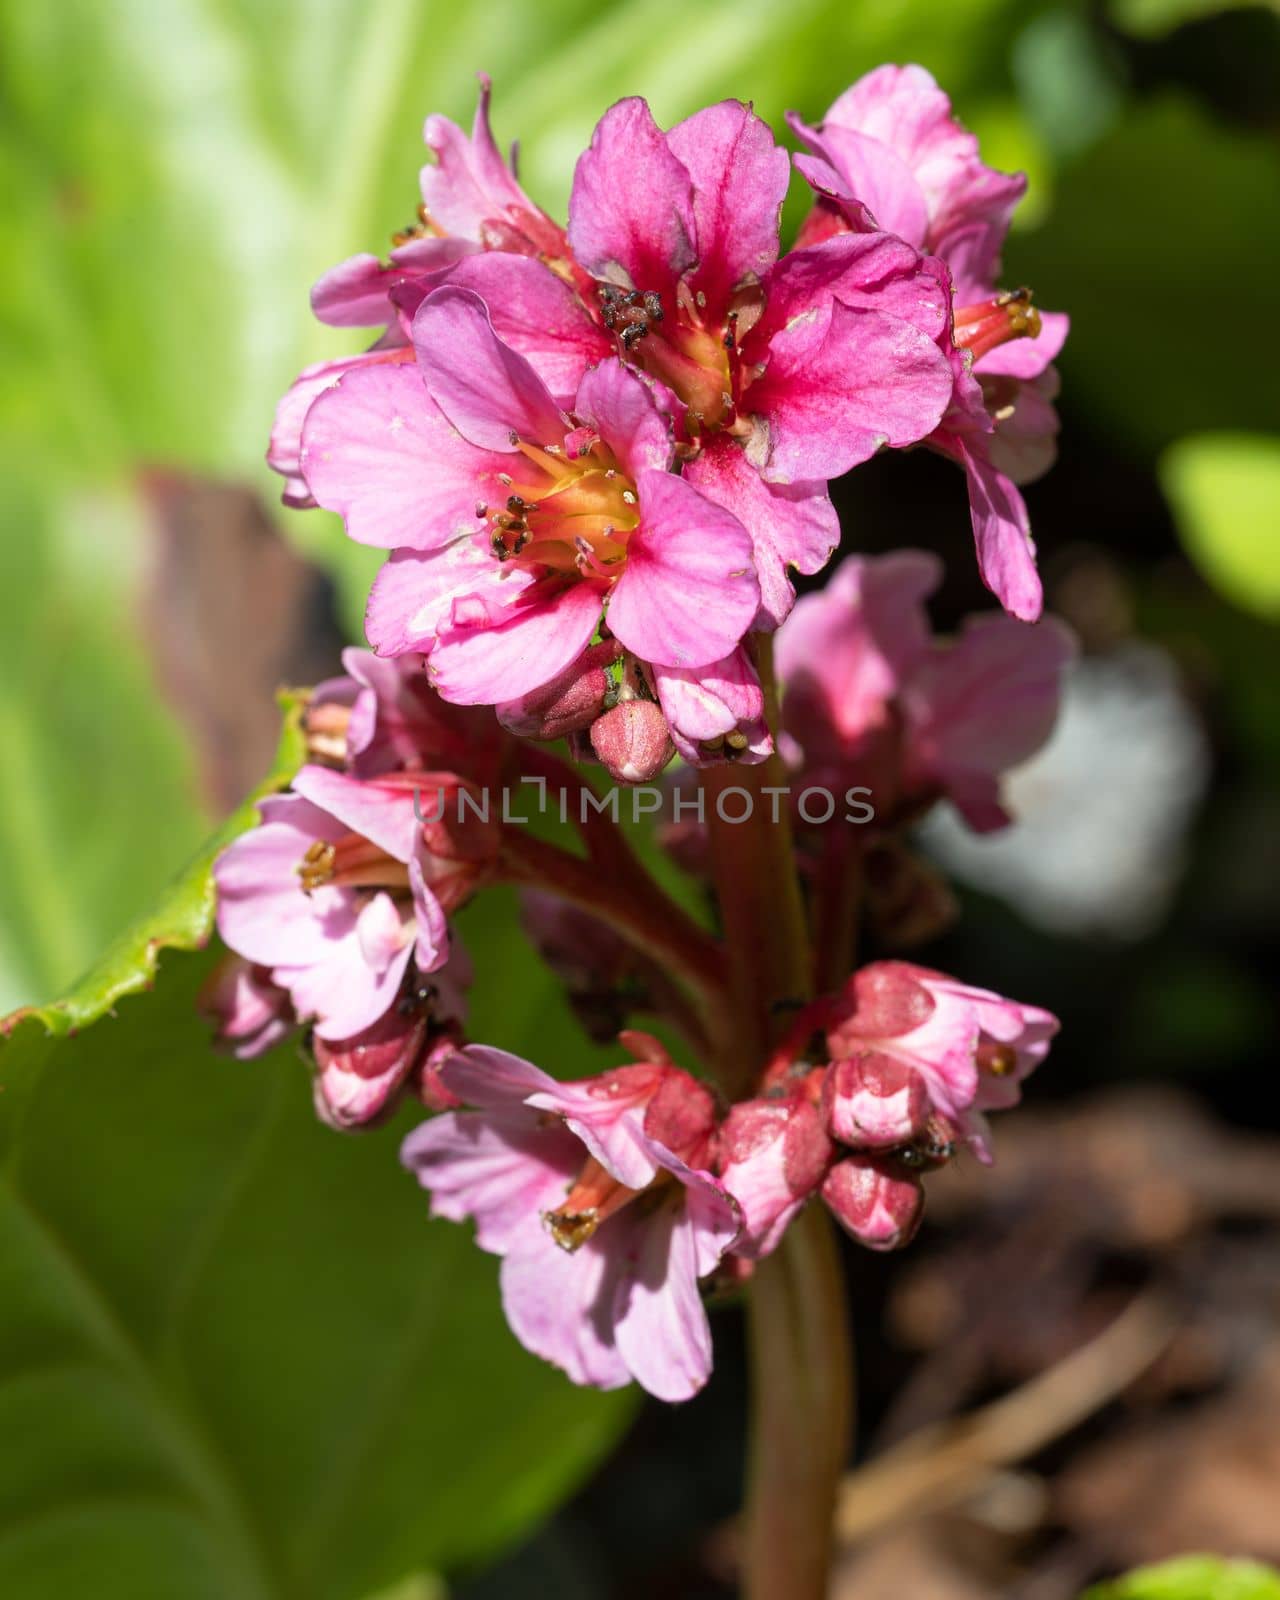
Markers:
597,457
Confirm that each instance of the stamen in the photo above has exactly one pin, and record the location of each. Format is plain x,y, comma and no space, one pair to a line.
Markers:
1010,315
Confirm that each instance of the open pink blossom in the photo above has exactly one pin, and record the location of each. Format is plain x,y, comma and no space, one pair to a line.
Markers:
871,697
787,372
516,525
889,154
473,209
596,1197
717,712
909,1045
329,895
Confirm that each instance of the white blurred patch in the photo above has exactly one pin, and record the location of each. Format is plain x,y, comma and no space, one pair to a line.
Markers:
1103,810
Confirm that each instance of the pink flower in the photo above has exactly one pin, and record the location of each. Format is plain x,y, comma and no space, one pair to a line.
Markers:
874,1200
472,206
383,716
251,1014
786,372
915,1052
889,154
330,895
359,1081
596,1196
716,713
871,698
515,524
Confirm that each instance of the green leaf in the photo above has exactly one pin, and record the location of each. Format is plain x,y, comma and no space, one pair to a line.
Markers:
1193,1578
1225,492
182,921
240,1359
98,805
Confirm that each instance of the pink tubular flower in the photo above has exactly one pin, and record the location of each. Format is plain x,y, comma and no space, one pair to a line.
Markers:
889,154
251,1014
716,713
871,698
332,895
916,1053
514,524
595,1195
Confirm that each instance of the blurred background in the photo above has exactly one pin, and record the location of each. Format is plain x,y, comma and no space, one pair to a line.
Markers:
234,1359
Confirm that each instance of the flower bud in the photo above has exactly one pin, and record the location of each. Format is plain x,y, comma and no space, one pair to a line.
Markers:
874,1201
632,741
772,1155
359,1080
570,702
873,1101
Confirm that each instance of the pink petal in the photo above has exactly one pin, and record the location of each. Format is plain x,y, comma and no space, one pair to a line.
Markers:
535,640
378,451
853,644
534,310
619,406
868,271
689,590
484,387
1002,533
284,452
499,1167
431,942
380,933
840,384
706,703
660,1323
494,1079
343,993
631,213
989,700
740,177
558,1305
791,524
877,176
413,595
263,913
470,184
380,814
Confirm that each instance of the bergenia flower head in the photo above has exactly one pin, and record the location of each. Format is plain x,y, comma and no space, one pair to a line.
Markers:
871,697
890,155
517,524
598,1197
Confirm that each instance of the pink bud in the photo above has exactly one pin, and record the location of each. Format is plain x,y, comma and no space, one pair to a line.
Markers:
773,1154
632,741
873,1101
570,702
358,1080
874,1201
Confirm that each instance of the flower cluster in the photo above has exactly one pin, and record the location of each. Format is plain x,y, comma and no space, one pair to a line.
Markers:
624,431
596,454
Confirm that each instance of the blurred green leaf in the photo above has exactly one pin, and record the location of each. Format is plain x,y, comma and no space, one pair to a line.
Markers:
1225,492
98,805
1148,249
1151,18
240,1359
1193,1578
183,920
